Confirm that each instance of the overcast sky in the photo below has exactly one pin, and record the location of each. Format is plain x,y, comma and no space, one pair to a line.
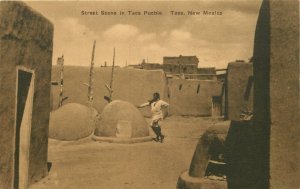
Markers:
215,40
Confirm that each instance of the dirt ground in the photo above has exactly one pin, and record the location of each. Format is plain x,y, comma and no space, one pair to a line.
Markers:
86,164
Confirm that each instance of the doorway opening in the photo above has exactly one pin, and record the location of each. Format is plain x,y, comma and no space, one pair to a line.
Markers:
24,104
216,106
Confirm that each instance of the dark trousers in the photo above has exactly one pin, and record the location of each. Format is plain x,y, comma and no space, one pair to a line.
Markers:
157,130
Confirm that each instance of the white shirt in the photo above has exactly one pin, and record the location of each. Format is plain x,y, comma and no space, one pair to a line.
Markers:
156,109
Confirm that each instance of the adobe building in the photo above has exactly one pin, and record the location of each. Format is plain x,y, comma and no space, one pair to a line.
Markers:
265,154
150,66
186,97
207,70
25,79
238,89
208,73
195,97
276,93
181,64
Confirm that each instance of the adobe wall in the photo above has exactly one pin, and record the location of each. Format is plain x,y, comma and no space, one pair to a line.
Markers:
192,97
276,92
73,88
25,40
284,94
133,85
270,159
239,89
137,86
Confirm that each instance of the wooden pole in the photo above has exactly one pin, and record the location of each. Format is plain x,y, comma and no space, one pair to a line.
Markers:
112,78
91,77
60,61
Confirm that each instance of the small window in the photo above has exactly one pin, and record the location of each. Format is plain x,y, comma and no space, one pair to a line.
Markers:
180,87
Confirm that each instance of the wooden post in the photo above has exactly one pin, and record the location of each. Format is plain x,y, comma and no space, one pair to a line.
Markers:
91,77
112,78
60,61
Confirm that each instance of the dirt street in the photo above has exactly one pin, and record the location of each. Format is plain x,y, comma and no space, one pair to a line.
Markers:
86,164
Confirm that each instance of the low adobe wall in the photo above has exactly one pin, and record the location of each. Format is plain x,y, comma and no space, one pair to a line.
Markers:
133,85
192,97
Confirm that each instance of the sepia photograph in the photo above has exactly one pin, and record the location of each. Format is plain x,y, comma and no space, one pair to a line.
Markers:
197,94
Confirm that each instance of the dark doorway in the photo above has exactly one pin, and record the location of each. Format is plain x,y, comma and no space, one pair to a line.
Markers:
216,106
23,127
